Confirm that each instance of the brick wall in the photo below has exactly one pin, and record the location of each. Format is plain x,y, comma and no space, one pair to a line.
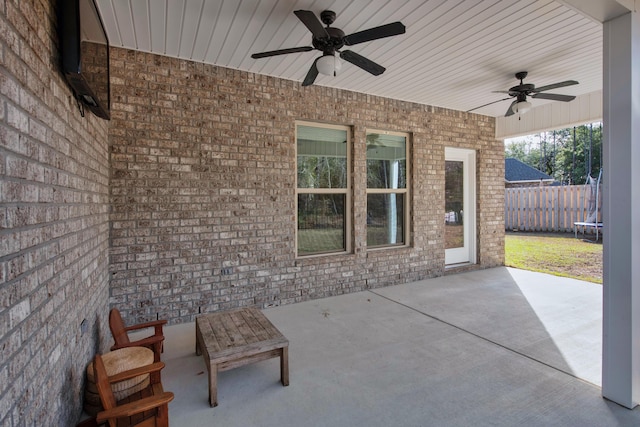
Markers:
203,175
53,226
201,180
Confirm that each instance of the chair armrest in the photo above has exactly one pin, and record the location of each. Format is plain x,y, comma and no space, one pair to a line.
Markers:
152,324
132,408
147,341
136,372
140,343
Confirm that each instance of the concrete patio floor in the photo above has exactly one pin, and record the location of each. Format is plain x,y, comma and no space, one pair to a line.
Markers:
497,347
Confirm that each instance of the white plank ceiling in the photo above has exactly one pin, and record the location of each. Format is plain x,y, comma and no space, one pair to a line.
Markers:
454,54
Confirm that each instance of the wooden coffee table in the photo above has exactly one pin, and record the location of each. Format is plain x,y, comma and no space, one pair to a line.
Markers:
234,338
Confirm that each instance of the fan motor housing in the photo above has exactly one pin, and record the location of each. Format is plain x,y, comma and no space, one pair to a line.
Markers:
525,88
333,43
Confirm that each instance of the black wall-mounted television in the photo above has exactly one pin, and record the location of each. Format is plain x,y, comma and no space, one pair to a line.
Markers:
84,50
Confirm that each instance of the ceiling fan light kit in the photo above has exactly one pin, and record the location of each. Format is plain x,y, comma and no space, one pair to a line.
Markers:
329,65
521,107
330,40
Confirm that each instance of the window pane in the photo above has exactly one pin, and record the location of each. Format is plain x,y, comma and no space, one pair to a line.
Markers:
321,222
322,157
385,219
386,161
454,199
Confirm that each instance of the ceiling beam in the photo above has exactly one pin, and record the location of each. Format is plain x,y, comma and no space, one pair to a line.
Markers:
601,10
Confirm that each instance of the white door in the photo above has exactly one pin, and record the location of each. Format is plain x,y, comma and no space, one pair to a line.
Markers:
460,206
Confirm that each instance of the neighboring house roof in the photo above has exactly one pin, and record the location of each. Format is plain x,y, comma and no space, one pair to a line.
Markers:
517,171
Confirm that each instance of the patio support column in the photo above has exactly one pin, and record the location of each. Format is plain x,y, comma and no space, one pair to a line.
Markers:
621,211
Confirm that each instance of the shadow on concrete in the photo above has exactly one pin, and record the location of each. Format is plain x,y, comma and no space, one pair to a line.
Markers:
497,347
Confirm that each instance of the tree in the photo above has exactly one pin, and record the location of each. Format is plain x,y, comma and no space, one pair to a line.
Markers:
580,153
568,155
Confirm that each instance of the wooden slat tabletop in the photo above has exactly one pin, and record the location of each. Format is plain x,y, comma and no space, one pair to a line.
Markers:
244,331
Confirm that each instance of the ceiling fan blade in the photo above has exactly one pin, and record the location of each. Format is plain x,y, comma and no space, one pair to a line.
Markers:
312,22
556,85
311,74
388,30
362,62
510,110
554,97
486,105
281,52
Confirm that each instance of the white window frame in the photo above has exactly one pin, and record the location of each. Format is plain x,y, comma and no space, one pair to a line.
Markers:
405,191
346,191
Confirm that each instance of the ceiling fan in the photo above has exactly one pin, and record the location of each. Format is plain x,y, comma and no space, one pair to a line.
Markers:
330,40
521,91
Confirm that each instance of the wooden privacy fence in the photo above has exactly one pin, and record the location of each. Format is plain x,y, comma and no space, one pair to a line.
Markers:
545,208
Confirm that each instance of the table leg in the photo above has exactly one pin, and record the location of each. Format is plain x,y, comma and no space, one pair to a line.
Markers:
213,385
284,366
198,337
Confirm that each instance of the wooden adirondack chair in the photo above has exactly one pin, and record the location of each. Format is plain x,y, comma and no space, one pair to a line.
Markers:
120,334
147,408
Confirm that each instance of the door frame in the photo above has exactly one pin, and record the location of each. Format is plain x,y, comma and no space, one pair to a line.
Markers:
467,253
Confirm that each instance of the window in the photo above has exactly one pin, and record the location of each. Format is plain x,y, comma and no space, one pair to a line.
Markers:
387,195
454,204
323,198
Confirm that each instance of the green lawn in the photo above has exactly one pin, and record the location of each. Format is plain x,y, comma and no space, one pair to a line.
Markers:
558,254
